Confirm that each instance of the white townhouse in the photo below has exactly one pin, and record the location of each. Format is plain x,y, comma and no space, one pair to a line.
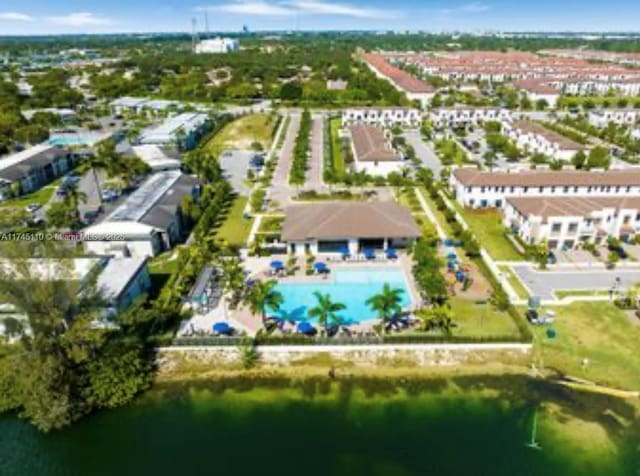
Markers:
601,118
535,138
536,90
382,116
372,151
566,222
479,189
598,87
462,116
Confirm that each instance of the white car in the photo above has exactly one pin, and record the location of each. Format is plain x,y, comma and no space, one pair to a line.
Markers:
32,208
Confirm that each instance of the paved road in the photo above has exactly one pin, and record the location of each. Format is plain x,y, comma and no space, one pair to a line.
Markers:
235,164
543,283
424,151
314,174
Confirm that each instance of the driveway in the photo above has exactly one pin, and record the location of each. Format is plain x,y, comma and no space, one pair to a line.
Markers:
424,152
235,165
543,283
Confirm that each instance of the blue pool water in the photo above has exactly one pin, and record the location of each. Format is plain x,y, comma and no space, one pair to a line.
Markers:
350,287
67,140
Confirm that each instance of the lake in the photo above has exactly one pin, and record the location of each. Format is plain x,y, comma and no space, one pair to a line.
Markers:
308,426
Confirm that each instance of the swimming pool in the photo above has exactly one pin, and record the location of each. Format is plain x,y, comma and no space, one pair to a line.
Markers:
75,140
351,287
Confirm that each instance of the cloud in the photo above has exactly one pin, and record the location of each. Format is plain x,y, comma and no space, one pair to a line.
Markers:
474,7
257,8
79,19
318,7
299,7
13,16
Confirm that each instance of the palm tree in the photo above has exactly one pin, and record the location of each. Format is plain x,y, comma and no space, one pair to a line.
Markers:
262,296
73,196
386,303
105,158
326,310
232,279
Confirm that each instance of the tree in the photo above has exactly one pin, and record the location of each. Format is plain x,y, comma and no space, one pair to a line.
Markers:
232,280
291,91
386,303
540,254
105,158
598,158
61,216
66,366
325,311
579,159
73,196
262,297
499,299
438,317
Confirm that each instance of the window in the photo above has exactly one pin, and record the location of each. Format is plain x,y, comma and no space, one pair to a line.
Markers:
498,203
553,189
566,189
481,189
541,189
513,189
525,189
573,227
556,227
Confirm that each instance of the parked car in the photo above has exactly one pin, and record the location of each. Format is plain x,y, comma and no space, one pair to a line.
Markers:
551,258
109,195
33,207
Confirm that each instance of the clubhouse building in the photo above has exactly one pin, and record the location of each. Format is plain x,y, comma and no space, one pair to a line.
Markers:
340,227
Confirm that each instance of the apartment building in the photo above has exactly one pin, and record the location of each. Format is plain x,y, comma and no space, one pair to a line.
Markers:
382,116
31,169
602,118
149,222
478,189
566,222
372,151
463,116
181,131
535,138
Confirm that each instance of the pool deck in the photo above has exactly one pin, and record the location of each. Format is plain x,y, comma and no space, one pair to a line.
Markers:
259,268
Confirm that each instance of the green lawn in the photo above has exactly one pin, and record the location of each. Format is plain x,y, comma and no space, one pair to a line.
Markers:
271,224
336,146
599,332
235,229
580,292
481,319
40,197
165,263
243,132
488,228
407,197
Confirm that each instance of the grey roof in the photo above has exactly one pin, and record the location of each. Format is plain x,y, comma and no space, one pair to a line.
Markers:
156,201
17,166
341,220
118,273
163,212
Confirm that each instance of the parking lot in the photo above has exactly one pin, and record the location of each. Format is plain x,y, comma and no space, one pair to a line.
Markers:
544,283
235,164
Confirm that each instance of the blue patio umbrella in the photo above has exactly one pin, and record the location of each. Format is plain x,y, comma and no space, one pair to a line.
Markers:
369,253
345,251
452,256
222,328
277,265
320,267
392,253
306,328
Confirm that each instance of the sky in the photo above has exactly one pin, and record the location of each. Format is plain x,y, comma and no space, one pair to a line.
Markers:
28,17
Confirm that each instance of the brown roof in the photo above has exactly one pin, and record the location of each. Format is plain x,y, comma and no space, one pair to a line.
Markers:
546,207
401,78
371,145
336,220
529,127
541,178
535,86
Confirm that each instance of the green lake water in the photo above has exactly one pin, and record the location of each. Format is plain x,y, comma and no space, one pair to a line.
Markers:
308,427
